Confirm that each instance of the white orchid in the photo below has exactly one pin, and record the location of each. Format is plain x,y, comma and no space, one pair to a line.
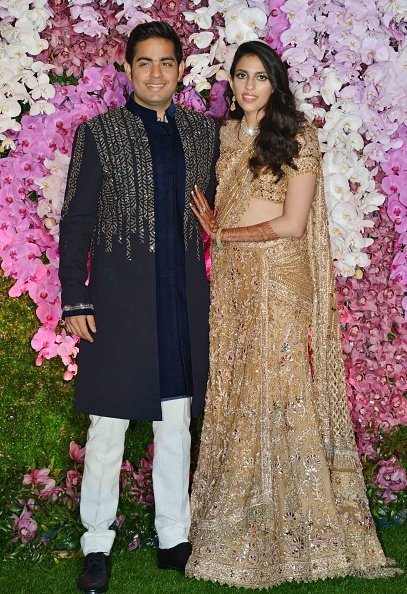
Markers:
21,78
42,107
200,70
337,187
8,123
223,53
399,8
355,141
241,23
17,8
357,259
52,186
134,3
9,107
331,84
356,242
201,16
344,213
202,39
6,143
42,88
222,5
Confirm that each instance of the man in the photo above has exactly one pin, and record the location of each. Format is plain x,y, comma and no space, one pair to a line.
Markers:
143,318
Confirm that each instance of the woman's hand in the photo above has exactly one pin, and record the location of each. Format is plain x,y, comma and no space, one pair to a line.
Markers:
204,213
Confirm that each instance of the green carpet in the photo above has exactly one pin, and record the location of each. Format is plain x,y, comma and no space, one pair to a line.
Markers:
136,573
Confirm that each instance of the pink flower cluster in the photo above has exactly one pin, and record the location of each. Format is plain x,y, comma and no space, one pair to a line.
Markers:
95,35
276,25
394,184
133,483
374,336
189,98
391,478
31,196
71,51
139,483
24,526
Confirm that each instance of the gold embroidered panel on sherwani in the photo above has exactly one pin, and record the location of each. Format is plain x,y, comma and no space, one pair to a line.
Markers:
126,201
278,494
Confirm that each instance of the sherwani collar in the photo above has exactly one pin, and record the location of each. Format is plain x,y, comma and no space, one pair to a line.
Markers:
146,114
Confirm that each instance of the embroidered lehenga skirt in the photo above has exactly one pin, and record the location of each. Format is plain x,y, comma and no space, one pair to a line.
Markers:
267,504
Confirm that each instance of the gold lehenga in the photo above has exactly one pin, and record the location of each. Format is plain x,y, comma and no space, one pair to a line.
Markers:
278,494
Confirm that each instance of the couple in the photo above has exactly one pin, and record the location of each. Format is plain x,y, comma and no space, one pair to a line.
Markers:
278,493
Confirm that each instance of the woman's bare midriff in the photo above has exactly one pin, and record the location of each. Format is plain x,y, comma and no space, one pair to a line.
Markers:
260,211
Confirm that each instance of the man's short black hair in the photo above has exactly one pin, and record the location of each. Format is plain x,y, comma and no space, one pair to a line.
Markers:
158,29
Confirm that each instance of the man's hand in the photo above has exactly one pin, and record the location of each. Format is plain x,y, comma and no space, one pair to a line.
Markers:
203,212
81,326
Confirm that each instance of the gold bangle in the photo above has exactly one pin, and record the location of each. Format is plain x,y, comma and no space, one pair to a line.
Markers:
219,243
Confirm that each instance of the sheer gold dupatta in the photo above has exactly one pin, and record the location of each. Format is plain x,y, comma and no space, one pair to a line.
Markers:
327,356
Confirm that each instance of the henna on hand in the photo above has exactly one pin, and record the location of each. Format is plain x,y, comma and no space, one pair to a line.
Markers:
204,213
260,232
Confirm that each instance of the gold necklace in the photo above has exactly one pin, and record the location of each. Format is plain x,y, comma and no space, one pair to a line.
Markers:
245,130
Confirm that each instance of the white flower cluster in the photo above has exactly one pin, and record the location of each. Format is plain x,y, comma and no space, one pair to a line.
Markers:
394,8
22,79
50,202
340,52
242,23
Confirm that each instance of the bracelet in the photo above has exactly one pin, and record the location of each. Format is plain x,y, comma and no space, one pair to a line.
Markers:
219,243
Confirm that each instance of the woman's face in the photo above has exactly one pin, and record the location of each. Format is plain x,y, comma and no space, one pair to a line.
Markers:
251,84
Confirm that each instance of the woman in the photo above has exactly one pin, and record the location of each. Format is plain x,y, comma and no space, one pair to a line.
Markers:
278,494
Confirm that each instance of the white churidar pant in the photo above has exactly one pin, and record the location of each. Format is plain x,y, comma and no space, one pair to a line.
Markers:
171,467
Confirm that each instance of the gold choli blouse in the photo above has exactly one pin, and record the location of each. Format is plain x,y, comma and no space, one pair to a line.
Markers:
234,157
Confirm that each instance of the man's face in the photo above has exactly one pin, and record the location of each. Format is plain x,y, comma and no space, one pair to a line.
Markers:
154,73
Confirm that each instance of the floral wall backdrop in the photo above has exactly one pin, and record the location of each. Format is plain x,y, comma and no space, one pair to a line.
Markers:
61,63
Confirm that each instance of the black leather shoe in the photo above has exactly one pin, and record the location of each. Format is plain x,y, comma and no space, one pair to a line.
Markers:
174,558
95,576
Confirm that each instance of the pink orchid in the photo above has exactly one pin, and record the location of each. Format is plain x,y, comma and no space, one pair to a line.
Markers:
127,466
72,368
190,99
49,313
396,162
218,107
76,452
25,526
119,520
73,480
391,475
391,184
43,341
38,476
42,291
50,491
135,543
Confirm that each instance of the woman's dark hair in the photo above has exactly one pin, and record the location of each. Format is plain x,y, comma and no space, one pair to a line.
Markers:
275,144
148,31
